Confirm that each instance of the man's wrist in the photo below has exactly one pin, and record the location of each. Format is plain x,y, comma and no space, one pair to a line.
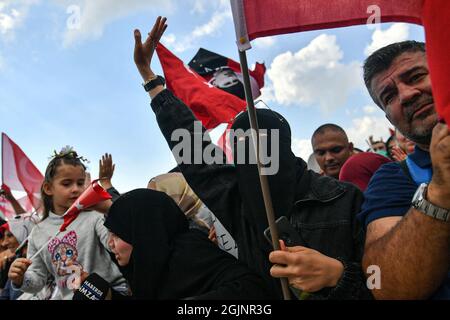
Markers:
106,184
438,196
146,73
337,270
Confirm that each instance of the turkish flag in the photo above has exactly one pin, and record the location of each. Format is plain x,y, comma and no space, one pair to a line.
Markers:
212,106
437,24
94,194
254,19
19,173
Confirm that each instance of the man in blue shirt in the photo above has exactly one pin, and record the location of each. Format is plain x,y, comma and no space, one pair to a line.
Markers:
408,232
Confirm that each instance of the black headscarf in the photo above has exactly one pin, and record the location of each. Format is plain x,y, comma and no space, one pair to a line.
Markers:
283,184
143,217
169,261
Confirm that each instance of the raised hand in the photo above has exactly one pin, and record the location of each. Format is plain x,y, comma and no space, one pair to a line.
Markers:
143,52
5,191
106,170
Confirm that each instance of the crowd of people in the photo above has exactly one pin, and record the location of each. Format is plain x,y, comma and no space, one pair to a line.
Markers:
378,208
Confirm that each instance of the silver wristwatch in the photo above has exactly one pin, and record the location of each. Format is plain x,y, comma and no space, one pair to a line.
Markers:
420,203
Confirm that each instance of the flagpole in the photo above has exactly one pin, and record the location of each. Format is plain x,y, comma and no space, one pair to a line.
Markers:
262,178
44,246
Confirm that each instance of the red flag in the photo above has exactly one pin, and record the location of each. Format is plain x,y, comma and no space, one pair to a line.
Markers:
91,196
437,24
19,173
262,18
210,105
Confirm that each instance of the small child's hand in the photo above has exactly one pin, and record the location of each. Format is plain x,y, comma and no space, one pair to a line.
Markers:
106,170
17,271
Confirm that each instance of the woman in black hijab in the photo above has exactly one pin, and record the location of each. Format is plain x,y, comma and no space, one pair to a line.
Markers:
170,261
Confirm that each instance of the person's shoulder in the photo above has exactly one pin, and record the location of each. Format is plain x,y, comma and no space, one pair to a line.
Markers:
349,187
324,183
91,216
331,189
389,171
388,194
390,177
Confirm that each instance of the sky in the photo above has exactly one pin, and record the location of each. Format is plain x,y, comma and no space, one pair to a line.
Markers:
67,77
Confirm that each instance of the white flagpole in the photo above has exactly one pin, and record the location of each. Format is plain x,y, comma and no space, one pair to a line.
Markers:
45,245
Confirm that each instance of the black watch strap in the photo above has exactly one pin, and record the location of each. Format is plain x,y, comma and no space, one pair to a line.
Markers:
151,84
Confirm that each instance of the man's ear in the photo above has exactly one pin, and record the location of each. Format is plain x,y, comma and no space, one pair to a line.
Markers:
350,146
47,189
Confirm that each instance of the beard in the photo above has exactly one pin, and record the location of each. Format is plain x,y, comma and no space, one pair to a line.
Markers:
421,131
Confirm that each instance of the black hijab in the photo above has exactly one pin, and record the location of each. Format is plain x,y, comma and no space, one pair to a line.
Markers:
284,184
148,220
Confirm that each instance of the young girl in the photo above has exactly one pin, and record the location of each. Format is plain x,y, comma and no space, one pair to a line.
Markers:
79,250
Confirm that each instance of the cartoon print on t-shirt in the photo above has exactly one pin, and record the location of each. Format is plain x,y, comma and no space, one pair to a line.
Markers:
64,259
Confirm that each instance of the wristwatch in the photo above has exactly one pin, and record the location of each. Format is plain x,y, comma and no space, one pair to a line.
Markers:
153,82
420,203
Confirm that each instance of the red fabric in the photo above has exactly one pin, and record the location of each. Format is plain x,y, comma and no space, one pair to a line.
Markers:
271,17
4,227
224,143
437,25
210,105
90,197
257,74
19,173
358,169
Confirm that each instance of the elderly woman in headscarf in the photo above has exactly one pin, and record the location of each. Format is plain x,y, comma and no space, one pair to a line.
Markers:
162,258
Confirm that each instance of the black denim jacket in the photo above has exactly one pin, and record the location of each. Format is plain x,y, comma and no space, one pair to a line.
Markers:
325,214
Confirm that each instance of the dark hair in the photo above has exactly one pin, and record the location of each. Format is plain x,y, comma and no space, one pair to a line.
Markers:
382,59
69,157
328,126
